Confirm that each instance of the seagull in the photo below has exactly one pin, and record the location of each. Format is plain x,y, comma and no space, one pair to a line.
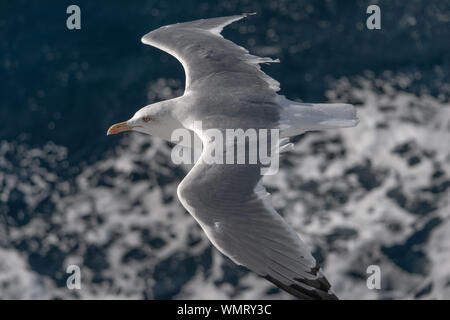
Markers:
225,88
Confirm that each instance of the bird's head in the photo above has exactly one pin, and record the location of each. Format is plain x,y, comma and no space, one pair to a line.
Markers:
154,119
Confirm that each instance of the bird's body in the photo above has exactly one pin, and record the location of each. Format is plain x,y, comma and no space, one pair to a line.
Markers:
226,89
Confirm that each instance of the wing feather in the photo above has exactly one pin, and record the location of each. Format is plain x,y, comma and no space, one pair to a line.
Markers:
234,209
208,58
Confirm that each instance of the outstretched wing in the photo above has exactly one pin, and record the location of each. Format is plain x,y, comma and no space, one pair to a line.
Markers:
209,59
235,211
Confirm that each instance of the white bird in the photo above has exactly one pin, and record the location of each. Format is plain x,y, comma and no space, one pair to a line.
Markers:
226,89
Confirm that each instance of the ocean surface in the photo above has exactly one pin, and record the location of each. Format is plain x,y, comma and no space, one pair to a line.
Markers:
377,194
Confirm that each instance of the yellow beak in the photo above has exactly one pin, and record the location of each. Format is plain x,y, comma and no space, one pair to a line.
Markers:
118,128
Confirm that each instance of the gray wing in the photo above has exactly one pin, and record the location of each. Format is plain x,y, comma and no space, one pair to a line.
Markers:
209,60
235,211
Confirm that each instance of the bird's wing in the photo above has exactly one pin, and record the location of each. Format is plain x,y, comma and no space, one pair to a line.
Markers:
235,211
209,59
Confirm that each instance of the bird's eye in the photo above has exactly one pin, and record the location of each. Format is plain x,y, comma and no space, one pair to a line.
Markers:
146,119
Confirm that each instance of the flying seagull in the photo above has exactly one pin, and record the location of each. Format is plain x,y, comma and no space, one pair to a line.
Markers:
225,88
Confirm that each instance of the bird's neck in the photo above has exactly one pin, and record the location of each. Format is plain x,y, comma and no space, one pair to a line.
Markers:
171,113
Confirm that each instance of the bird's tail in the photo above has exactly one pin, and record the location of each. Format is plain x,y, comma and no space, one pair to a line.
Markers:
297,118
